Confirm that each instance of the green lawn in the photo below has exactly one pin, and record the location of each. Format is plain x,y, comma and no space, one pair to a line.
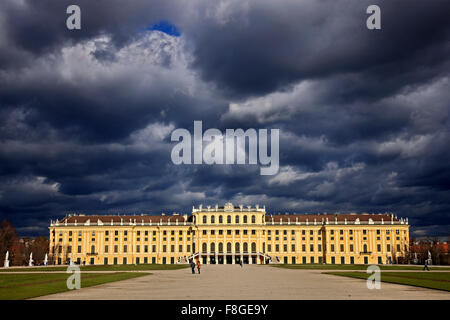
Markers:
25,286
353,267
431,280
117,267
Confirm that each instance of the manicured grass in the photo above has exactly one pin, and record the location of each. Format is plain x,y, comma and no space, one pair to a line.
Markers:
25,286
117,267
353,267
431,280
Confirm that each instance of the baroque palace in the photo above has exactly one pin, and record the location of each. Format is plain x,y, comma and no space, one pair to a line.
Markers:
228,235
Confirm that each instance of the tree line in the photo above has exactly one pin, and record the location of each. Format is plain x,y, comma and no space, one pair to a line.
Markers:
20,248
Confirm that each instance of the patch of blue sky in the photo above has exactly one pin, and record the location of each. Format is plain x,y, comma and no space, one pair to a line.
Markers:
166,27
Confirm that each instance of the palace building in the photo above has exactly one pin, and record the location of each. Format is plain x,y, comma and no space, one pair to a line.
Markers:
228,235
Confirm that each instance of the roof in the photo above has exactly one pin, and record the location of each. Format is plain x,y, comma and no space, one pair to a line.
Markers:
123,218
349,217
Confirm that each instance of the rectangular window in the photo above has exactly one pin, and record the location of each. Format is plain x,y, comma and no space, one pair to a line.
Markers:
106,250
79,249
303,247
319,247
332,248
269,248
277,248
293,247
138,248
172,248
180,248
145,248
388,247
342,248
154,248
351,248
285,248
311,232
188,248
69,249
312,259
311,247
378,247
164,248
116,248
125,248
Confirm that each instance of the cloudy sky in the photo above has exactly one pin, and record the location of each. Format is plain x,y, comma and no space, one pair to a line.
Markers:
86,115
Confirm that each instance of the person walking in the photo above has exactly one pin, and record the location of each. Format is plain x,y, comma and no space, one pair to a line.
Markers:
193,266
198,266
240,263
425,266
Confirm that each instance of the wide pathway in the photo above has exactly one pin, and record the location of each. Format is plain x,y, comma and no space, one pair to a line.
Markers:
250,282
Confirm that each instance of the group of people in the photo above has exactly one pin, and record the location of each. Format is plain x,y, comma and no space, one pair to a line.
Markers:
193,264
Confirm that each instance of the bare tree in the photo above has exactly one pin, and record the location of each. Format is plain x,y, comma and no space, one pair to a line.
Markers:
8,236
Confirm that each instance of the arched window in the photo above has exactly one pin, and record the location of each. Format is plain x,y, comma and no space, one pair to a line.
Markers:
245,219
228,219
204,248
204,219
236,247
213,247
220,247
213,219
253,219
253,246
229,247
245,247
236,219
220,219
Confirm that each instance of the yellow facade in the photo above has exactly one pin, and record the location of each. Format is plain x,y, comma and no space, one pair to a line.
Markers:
228,235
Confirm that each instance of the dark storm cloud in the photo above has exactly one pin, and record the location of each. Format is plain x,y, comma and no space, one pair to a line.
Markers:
86,116
264,46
